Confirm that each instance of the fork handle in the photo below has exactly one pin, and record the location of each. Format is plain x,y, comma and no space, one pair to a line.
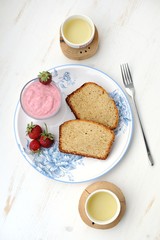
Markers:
145,140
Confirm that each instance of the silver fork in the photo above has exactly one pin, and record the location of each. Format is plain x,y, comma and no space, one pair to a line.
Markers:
128,83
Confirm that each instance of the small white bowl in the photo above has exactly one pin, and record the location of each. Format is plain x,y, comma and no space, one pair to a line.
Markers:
78,31
95,204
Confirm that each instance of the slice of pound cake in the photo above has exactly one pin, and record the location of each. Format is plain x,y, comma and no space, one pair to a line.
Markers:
92,102
85,138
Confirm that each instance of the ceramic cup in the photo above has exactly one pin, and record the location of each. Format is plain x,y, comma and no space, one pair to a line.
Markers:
102,207
78,31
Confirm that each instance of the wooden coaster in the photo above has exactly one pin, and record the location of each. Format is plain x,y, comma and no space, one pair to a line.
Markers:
89,190
80,53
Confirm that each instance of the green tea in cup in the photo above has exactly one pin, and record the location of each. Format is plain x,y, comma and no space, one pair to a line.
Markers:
102,207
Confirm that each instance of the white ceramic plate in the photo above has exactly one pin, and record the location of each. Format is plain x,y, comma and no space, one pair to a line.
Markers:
66,167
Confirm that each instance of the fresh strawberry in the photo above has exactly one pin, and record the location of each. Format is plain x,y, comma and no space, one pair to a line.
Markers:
45,77
46,139
35,145
33,131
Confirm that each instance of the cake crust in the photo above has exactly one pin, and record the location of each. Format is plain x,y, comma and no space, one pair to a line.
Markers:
85,138
92,102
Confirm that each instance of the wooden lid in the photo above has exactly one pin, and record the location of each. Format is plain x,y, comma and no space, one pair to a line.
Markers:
92,188
80,53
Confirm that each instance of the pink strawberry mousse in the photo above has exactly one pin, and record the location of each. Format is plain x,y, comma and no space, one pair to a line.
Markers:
41,101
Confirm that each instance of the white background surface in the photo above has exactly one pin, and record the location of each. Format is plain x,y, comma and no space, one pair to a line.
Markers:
35,207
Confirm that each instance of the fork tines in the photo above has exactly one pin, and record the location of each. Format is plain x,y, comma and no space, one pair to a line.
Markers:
126,74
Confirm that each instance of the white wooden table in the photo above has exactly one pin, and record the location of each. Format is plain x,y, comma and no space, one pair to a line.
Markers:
35,207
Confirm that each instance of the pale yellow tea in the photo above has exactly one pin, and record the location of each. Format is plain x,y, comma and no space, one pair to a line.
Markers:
77,31
102,206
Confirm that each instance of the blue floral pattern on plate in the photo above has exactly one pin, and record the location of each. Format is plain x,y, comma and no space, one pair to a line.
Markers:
124,113
53,163
63,81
